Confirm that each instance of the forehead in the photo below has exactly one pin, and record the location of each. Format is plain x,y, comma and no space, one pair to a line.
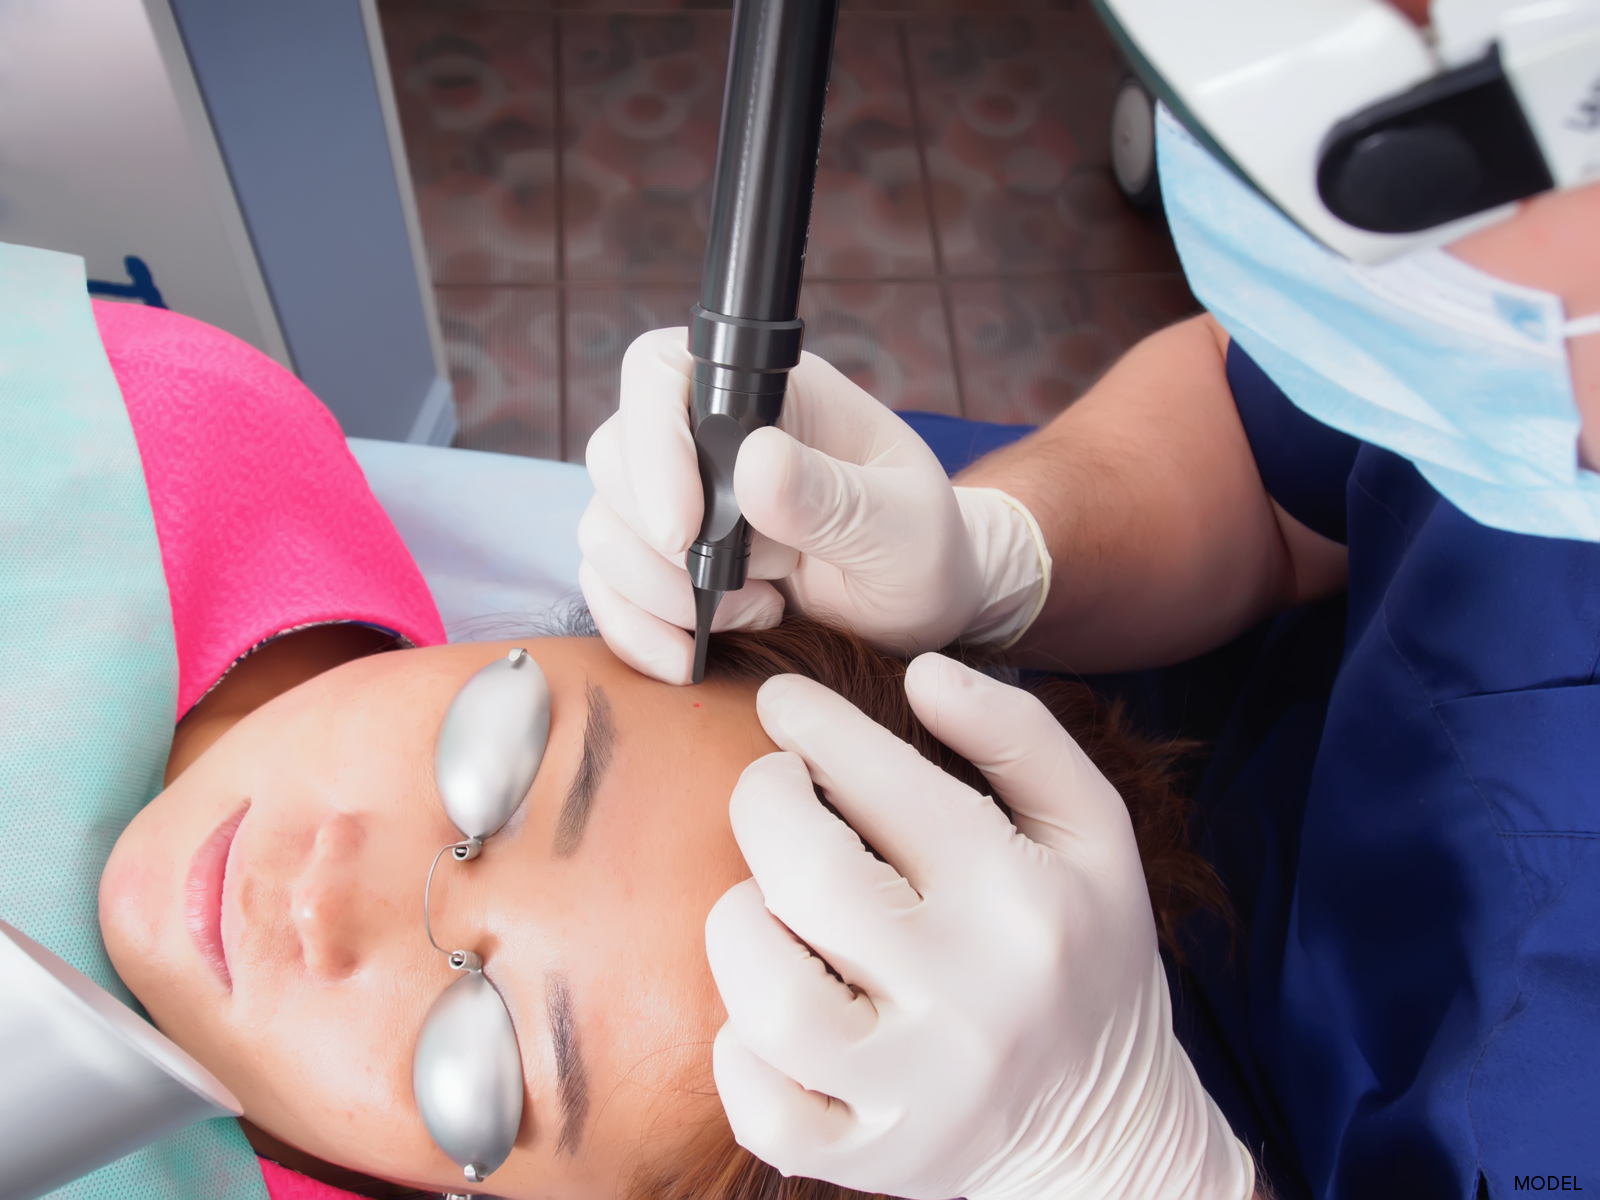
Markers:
617,920
409,690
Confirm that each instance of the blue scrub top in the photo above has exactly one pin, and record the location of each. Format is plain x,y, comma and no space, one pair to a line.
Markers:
1404,802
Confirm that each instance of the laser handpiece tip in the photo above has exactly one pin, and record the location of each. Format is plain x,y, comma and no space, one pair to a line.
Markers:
705,608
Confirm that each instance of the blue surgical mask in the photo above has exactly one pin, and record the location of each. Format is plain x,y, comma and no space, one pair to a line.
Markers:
1462,373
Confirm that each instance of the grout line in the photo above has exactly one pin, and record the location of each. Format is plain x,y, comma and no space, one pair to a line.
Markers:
589,285
933,217
994,276
623,10
558,78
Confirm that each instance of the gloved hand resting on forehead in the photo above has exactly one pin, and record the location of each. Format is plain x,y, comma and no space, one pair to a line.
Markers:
1003,972
836,493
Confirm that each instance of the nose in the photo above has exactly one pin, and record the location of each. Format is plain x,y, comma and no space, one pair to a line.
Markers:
324,904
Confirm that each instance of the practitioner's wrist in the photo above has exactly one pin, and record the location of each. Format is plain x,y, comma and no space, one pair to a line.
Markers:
1176,1143
1150,1130
1013,562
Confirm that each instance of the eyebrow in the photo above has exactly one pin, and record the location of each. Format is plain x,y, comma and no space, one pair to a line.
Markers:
599,738
571,1080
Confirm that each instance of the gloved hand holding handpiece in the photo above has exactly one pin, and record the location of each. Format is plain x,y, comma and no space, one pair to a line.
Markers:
855,522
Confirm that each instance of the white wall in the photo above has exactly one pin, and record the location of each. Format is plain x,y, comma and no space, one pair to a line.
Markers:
105,151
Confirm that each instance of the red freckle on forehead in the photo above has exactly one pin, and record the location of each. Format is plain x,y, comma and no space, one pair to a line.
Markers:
697,704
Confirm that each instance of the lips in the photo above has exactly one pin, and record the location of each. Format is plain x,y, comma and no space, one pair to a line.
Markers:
202,894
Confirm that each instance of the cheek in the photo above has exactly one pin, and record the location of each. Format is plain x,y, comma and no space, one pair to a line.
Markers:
128,889
329,1071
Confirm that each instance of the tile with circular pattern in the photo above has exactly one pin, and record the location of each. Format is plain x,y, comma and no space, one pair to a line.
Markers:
1015,113
642,99
869,215
601,323
503,348
476,93
1030,347
890,338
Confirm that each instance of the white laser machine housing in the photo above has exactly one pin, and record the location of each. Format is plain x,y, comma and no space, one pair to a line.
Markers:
85,1079
1375,136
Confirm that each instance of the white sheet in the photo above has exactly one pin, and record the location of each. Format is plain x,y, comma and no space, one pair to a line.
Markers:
495,535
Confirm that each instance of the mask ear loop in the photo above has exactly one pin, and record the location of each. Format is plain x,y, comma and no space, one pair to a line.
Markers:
1580,327
460,960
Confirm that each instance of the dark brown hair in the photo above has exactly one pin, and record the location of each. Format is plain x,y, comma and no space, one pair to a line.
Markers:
712,1166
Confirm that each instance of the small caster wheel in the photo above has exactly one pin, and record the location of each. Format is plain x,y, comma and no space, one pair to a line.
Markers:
1133,146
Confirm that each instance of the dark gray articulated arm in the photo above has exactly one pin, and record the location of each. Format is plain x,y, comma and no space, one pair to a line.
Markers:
746,331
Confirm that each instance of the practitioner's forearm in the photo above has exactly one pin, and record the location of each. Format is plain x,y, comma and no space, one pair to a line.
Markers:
1165,542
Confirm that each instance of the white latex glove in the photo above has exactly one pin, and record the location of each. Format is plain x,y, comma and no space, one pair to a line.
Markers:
853,515
1003,1029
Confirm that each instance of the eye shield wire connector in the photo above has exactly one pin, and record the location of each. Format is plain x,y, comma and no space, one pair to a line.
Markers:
460,960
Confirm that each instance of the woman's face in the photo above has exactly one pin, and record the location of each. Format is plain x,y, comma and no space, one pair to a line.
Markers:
301,841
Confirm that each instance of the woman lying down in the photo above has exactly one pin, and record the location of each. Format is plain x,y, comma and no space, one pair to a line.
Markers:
267,908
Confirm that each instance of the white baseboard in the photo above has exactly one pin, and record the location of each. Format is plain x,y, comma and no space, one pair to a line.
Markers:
436,422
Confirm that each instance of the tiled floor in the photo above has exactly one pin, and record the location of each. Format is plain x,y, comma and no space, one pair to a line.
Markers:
969,252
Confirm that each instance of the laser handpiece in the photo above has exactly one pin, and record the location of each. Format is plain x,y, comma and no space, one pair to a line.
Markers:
745,333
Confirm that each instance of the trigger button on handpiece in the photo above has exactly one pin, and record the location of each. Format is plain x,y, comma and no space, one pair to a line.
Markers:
716,444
